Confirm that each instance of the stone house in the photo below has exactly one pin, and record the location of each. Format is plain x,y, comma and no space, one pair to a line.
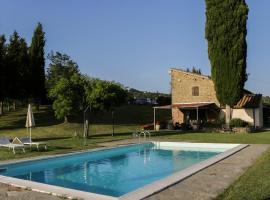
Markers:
194,100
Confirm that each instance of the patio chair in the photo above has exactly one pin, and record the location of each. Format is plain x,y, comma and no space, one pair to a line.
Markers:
4,142
28,141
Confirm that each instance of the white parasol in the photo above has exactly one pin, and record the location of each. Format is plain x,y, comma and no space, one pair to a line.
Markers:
30,121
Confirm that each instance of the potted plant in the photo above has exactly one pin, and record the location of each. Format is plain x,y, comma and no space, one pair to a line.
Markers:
170,125
157,126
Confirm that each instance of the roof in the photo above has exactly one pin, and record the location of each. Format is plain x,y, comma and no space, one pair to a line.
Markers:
192,105
163,107
186,105
249,101
190,73
245,91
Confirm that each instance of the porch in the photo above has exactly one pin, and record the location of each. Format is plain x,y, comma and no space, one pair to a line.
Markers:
195,114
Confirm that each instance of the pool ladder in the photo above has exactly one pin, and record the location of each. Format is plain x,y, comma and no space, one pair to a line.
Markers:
145,134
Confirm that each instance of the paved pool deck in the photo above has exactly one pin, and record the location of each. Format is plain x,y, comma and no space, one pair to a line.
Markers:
212,181
203,185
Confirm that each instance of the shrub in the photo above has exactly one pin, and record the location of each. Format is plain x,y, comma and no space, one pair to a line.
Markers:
185,126
236,122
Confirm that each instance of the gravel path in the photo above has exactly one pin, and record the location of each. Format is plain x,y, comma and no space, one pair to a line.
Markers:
12,193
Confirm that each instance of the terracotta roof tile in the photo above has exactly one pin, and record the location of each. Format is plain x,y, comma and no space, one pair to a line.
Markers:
249,101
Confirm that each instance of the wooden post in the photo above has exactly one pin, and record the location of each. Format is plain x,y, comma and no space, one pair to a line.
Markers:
154,118
254,120
197,115
113,122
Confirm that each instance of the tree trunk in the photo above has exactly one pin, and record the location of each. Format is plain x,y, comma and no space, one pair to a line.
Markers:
8,106
1,107
86,129
228,114
66,119
14,105
37,104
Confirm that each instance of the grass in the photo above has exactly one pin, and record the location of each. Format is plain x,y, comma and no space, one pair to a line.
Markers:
61,145
128,118
254,138
254,184
60,137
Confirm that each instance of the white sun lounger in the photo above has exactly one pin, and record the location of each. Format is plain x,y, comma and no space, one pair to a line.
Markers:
4,142
27,141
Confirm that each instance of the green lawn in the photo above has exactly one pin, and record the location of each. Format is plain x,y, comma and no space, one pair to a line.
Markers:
254,138
61,136
128,118
61,145
254,184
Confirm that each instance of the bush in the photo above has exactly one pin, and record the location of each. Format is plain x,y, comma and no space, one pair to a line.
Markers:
185,126
236,122
169,124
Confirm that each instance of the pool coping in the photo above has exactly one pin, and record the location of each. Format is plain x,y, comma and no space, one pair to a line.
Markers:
177,177
140,193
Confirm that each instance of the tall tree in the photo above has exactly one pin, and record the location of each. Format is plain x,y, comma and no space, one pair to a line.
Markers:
2,72
65,85
24,71
61,66
104,95
17,69
37,63
13,85
67,94
227,49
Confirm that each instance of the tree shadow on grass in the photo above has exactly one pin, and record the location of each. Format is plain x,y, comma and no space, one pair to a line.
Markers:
50,138
108,135
49,149
126,114
17,119
13,125
46,119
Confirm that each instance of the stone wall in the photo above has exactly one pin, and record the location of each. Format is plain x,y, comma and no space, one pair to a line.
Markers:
181,89
182,84
177,116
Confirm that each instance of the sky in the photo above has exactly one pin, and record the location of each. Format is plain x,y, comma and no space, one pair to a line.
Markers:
136,42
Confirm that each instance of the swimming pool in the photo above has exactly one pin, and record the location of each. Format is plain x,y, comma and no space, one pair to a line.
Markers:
116,172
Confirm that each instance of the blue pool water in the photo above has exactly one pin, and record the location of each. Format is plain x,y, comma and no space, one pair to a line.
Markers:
113,172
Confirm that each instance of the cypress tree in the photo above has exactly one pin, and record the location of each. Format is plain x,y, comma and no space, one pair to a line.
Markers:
24,70
2,72
17,73
37,63
227,49
13,68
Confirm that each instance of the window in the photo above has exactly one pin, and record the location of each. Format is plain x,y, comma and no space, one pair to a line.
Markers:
195,91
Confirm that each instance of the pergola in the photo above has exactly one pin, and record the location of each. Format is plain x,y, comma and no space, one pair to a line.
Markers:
160,107
184,106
